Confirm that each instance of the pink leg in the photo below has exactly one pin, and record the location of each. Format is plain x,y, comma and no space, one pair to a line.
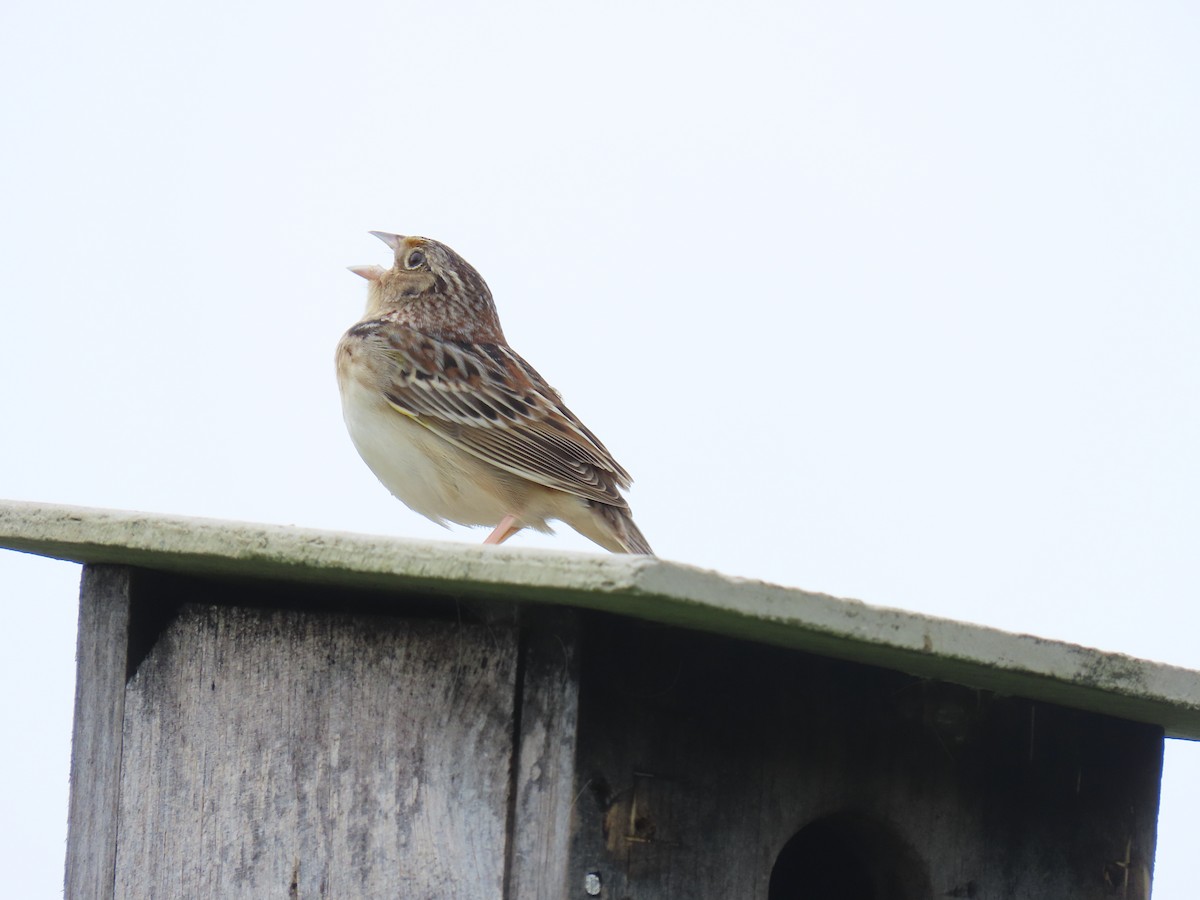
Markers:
507,528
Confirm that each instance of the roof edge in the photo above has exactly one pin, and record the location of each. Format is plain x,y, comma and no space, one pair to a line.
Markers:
641,587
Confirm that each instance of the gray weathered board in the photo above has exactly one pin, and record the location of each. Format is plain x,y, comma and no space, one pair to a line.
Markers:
101,659
701,759
285,742
332,756
274,752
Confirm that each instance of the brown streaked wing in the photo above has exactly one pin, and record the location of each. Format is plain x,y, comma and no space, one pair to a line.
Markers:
492,404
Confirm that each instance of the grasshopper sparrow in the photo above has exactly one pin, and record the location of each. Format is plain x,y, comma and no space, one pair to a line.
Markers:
456,424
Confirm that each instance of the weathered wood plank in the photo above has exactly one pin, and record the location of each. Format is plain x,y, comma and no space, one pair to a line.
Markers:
102,644
277,753
545,782
703,759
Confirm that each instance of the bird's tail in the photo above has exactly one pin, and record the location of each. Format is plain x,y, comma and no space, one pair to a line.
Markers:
623,535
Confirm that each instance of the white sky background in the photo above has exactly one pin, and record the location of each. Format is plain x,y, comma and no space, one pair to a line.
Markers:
891,302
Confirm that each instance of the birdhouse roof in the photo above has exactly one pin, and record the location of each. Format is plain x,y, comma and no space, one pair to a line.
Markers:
638,587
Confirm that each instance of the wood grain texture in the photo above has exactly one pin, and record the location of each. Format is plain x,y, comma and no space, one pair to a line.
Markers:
545,777
100,659
703,758
279,753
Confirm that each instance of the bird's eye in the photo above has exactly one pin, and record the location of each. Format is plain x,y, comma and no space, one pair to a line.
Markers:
415,259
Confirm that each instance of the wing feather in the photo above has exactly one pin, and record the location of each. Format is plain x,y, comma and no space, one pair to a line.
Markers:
486,400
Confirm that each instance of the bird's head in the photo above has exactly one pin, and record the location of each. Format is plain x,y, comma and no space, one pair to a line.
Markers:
432,288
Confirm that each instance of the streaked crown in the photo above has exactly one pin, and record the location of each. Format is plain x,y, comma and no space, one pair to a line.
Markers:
432,289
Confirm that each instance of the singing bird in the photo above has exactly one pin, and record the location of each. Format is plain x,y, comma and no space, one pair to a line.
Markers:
457,425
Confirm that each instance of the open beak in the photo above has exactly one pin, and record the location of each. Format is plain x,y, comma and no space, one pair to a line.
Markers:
392,240
371,273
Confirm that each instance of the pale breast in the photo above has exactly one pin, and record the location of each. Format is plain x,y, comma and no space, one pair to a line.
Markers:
425,472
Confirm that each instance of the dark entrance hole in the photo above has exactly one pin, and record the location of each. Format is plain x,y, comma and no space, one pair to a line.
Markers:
848,857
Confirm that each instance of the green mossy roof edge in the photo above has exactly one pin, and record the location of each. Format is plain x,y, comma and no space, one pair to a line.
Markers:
641,587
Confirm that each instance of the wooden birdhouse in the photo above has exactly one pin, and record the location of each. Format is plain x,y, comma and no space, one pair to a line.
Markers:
276,712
